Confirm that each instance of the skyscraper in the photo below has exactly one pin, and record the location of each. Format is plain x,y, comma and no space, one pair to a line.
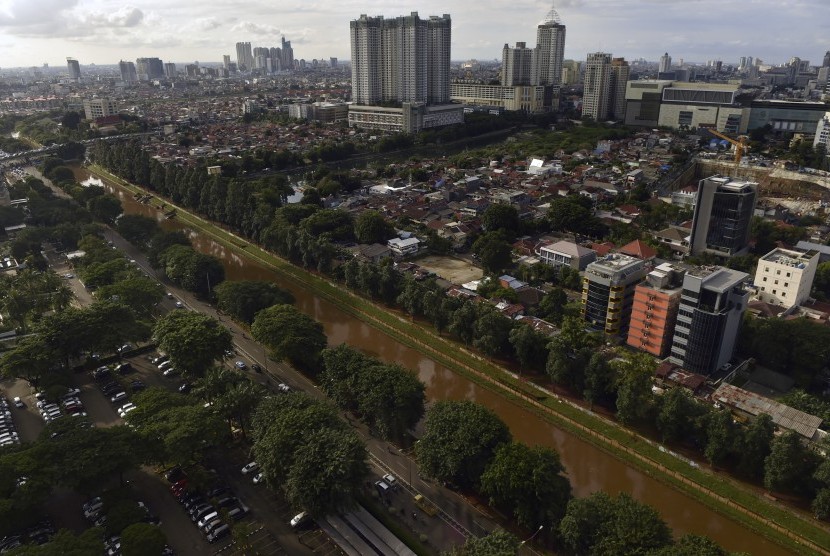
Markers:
712,304
226,61
287,55
550,50
665,63
826,62
595,95
517,65
149,68
244,56
74,69
620,72
405,59
722,217
128,73
170,70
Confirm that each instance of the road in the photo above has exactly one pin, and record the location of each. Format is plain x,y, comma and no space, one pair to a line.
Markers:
460,519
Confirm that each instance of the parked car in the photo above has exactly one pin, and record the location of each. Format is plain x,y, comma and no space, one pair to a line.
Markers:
18,402
299,520
249,467
221,531
119,397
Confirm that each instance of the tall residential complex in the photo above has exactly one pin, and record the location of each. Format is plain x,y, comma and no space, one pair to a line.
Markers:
550,50
244,56
608,292
620,73
403,59
712,304
595,97
665,63
128,73
517,65
170,70
74,69
149,69
286,55
722,217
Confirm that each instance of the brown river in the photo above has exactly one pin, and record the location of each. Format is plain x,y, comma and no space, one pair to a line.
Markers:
589,469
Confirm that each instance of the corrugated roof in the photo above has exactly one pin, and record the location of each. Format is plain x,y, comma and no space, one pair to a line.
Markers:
782,415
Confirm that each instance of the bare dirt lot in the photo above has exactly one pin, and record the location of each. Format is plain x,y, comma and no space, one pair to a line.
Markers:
451,269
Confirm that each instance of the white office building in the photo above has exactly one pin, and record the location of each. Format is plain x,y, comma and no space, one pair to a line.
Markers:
595,96
785,277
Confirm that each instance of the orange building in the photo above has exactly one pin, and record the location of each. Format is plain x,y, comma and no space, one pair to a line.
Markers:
654,311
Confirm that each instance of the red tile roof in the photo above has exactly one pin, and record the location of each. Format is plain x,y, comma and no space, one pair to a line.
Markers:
639,249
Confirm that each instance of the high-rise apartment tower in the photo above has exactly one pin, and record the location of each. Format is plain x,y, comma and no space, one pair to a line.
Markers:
595,93
404,59
550,50
74,69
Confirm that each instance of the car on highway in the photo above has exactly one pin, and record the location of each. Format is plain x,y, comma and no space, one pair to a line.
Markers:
241,365
179,305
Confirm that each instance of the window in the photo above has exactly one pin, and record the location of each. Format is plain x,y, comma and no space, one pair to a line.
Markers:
778,273
776,282
765,278
774,292
788,275
786,284
685,117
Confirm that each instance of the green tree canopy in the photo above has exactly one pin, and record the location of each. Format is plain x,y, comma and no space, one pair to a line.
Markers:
141,539
460,439
496,543
244,299
501,217
528,483
371,227
790,465
290,334
494,252
137,229
600,524
192,340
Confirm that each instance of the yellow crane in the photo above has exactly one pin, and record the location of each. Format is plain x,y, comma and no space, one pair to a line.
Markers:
740,143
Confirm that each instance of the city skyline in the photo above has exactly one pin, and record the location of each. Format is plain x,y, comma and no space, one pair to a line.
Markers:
34,32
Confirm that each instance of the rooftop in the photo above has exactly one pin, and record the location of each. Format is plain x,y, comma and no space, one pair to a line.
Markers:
788,257
782,415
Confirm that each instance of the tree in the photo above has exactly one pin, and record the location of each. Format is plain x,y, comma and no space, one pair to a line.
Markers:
491,332
634,397
494,252
137,229
756,446
70,120
290,334
677,415
692,545
371,227
720,436
552,306
141,539
528,483
161,242
599,384
501,217
569,214
600,524
139,293
30,360
530,347
568,353
462,322
821,504
390,399
244,299
459,441
192,270
495,543
790,465
105,208
327,472
192,340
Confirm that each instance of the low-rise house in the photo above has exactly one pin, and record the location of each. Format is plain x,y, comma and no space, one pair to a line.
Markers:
404,247
566,253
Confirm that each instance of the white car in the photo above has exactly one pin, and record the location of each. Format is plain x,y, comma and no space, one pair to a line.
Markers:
126,408
258,478
18,402
250,467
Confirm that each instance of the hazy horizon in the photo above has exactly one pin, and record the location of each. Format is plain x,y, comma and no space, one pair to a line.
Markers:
102,32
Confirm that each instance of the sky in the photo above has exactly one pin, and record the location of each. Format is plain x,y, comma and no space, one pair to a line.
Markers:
33,32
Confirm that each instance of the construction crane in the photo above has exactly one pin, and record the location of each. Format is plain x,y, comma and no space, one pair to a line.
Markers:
740,143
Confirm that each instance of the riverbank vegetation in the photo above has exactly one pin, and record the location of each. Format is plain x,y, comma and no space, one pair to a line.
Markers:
623,387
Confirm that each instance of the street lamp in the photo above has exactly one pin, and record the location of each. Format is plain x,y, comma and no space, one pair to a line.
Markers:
530,538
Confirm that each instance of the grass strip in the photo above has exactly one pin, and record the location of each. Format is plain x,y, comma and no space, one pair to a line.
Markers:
723,495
